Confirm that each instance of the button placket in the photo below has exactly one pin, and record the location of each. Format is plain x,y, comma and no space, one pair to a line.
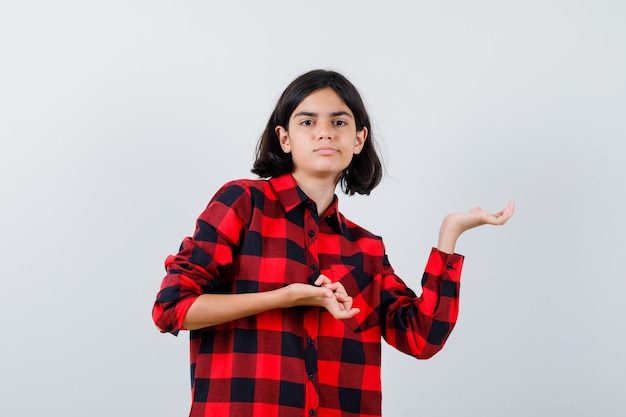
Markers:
311,230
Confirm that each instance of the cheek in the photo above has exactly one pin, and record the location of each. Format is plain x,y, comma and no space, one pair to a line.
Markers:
300,146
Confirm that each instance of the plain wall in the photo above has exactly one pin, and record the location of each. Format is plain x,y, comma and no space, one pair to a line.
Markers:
120,119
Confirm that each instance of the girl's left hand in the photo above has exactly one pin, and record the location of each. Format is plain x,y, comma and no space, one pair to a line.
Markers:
478,217
338,290
455,224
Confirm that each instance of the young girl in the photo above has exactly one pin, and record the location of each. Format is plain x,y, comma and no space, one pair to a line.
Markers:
286,300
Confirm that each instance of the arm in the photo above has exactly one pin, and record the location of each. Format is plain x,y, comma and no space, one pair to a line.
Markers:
212,309
195,270
421,325
188,298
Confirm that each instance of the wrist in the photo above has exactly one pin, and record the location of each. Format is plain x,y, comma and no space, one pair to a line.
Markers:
285,297
448,235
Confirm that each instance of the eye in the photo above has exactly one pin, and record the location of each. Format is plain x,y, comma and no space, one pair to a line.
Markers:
340,123
307,122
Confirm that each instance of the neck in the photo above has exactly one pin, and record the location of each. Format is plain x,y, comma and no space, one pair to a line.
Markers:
320,190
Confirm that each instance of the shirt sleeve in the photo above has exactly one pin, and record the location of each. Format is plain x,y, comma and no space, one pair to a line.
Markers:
196,268
420,326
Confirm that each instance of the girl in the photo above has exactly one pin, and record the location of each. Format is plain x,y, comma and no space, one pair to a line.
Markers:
286,300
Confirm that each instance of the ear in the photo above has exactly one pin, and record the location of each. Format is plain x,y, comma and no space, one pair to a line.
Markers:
359,140
283,138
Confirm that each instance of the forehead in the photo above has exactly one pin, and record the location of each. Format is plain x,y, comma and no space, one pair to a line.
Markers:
324,100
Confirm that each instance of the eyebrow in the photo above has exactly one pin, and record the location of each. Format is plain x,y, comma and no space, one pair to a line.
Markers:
312,114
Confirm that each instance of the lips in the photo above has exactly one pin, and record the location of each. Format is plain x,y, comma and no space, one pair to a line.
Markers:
326,150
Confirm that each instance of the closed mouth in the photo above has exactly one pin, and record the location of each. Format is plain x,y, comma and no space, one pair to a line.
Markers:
325,149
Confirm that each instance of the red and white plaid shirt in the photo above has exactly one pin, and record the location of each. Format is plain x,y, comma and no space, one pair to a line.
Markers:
260,235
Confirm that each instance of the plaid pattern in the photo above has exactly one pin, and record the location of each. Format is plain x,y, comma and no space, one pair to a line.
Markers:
259,235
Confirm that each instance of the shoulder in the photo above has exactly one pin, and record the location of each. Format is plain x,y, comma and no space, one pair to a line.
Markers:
234,200
235,190
238,197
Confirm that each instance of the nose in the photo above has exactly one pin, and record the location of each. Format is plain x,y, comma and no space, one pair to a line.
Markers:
324,130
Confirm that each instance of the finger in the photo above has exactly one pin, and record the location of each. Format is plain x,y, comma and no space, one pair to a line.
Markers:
336,287
511,208
511,205
345,300
344,315
506,213
343,297
498,218
322,292
322,280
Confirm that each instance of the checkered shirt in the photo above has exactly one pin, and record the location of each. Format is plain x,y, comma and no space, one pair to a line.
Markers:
260,235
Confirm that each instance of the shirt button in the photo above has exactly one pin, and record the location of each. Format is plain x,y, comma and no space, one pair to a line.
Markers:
311,233
449,267
311,412
314,267
169,328
312,377
310,341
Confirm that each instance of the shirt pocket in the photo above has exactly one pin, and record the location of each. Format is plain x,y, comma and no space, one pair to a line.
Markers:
365,291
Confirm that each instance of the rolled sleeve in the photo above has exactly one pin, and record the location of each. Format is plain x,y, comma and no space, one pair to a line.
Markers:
444,265
420,326
196,268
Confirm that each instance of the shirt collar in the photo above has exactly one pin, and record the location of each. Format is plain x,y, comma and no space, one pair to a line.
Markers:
290,196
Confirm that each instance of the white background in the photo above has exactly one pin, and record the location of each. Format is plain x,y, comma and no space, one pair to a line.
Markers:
120,119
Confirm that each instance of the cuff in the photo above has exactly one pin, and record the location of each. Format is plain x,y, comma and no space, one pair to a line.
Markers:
445,264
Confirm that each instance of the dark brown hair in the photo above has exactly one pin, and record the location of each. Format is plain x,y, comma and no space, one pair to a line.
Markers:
364,172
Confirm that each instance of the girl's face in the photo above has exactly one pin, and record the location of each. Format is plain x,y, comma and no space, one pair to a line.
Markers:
321,136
